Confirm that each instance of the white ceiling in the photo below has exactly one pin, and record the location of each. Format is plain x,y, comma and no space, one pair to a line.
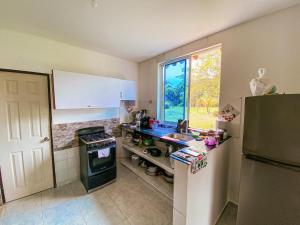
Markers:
132,29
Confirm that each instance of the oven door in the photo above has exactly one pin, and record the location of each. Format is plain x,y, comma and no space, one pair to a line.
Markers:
101,159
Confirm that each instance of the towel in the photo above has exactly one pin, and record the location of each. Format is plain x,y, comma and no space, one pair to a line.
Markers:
103,153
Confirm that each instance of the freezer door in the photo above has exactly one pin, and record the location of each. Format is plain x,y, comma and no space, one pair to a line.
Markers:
269,195
272,127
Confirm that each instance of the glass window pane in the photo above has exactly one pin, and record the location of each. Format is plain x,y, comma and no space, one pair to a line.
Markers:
205,88
174,91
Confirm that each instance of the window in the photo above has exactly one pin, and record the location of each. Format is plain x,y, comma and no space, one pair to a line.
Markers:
191,89
175,91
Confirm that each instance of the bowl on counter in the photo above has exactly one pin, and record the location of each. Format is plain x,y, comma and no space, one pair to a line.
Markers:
148,141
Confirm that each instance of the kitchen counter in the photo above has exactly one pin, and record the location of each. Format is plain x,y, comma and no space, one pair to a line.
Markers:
198,198
161,133
156,132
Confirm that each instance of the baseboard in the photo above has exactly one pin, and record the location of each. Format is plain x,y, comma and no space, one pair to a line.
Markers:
219,216
234,202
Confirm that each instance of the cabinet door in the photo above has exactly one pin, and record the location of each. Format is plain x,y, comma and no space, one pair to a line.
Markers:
108,90
75,91
128,88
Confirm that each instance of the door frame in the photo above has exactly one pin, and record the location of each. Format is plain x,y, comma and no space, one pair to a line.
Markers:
50,115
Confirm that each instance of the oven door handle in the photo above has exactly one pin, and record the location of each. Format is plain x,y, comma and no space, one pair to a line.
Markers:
111,147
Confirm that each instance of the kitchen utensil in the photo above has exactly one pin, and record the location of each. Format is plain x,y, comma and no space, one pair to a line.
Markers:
148,141
145,122
168,173
151,173
168,177
154,152
135,159
152,169
144,164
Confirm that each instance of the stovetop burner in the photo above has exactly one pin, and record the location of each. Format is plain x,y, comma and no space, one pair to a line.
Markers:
93,138
93,135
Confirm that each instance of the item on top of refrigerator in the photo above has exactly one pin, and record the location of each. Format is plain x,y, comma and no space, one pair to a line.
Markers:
262,85
228,113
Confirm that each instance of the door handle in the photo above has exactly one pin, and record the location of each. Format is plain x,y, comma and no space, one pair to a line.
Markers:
45,139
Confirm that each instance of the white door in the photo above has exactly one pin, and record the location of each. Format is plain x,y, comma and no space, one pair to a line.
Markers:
25,150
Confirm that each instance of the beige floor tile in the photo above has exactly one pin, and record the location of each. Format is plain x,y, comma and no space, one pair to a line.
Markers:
105,216
56,196
148,216
78,189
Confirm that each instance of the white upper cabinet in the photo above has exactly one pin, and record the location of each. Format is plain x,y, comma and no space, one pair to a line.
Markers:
75,91
128,90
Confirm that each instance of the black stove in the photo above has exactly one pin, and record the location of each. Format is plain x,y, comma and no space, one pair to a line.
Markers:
97,157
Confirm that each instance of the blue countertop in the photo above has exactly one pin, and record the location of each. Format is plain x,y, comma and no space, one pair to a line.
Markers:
156,132
161,133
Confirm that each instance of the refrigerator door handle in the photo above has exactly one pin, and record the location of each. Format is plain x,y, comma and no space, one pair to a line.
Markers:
273,163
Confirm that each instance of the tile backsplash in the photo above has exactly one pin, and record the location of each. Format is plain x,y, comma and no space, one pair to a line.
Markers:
65,135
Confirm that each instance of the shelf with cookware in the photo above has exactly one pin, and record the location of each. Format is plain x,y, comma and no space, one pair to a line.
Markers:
157,182
149,160
160,161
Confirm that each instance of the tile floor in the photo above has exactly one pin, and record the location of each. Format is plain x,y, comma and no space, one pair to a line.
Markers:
128,201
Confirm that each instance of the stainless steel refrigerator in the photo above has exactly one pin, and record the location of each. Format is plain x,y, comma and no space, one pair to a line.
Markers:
270,174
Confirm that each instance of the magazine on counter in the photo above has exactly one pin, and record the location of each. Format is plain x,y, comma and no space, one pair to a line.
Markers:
192,157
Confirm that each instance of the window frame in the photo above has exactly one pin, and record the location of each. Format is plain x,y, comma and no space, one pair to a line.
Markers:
161,82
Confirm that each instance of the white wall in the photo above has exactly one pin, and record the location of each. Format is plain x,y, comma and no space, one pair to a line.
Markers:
22,51
271,42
